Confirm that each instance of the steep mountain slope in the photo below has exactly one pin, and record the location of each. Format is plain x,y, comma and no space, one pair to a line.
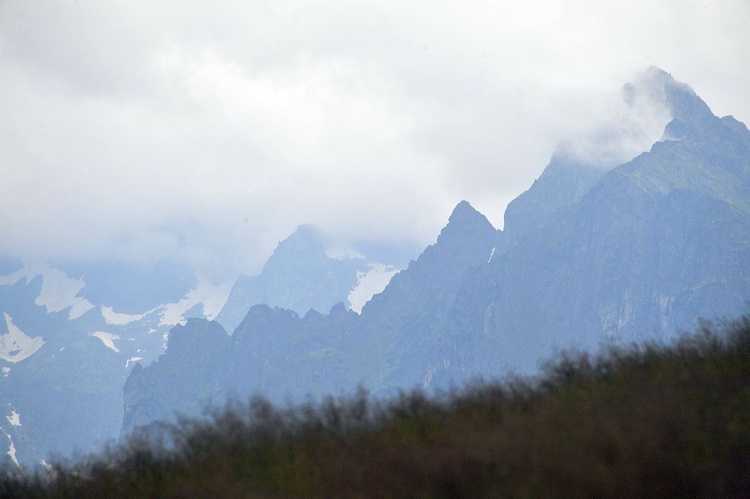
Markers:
635,251
652,245
418,303
562,183
278,353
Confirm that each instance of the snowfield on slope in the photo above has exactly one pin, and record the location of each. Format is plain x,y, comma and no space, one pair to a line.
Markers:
16,345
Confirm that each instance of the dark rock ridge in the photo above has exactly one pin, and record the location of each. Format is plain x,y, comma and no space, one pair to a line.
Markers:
193,349
588,257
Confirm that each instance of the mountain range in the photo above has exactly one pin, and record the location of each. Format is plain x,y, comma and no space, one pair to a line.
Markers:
70,335
591,254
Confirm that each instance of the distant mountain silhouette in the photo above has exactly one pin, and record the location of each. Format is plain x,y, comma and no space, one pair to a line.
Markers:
589,256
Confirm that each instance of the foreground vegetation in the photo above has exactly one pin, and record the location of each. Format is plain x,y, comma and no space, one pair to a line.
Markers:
648,421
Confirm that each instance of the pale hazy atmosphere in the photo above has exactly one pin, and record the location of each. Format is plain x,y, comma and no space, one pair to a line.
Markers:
205,133
206,202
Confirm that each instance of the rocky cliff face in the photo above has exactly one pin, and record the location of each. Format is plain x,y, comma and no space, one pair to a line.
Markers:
284,356
189,362
626,253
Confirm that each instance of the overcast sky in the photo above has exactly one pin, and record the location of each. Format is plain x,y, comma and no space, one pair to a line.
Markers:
207,131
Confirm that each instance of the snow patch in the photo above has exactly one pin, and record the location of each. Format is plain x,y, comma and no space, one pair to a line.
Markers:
132,359
211,297
60,292
11,449
6,371
12,453
16,346
117,319
369,284
14,418
108,339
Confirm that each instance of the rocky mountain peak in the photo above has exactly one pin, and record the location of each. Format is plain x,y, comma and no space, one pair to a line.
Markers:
683,103
465,221
304,240
197,335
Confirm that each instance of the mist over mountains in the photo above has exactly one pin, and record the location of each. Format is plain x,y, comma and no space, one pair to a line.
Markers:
68,343
588,256
593,252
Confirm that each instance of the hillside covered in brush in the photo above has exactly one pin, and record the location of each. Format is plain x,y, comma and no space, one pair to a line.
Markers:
651,420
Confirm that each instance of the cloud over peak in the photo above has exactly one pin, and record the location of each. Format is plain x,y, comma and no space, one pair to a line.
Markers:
207,133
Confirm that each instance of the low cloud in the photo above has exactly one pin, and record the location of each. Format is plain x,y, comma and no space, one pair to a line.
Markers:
629,127
207,133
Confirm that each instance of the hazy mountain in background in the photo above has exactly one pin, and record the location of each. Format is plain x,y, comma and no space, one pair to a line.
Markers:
608,245
70,334
304,273
592,253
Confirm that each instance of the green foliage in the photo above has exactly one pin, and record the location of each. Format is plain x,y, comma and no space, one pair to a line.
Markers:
651,420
